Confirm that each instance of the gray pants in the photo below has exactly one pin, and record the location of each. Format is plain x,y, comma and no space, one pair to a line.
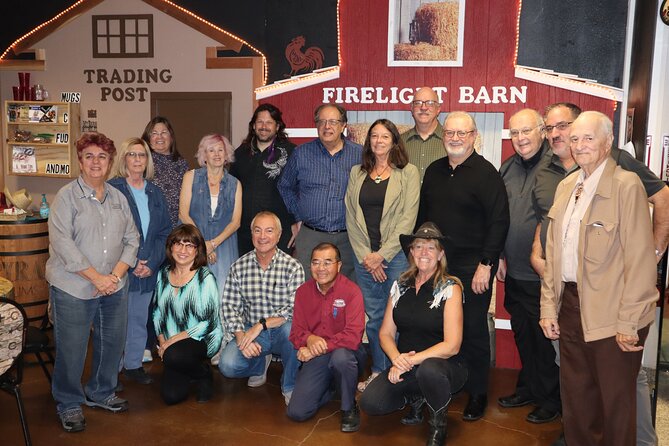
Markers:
645,433
307,239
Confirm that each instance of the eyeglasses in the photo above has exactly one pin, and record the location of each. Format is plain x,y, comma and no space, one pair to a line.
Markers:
135,154
460,133
514,133
190,247
326,263
330,122
560,126
429,103
164,133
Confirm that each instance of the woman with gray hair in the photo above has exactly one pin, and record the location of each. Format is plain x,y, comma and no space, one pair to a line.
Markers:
131,174
211,199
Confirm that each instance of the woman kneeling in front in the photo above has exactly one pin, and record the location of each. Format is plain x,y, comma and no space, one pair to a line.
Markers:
187,317
425,308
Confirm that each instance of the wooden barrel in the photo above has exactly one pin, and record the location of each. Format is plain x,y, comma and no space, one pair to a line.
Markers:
24,250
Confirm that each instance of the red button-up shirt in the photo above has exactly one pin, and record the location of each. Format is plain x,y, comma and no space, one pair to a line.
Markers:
338,316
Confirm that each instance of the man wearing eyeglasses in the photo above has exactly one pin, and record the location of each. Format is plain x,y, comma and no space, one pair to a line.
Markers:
558,118
538,380
328,321
424,142
465,196
313,186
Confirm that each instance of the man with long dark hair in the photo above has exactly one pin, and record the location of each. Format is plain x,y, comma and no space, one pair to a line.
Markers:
259,161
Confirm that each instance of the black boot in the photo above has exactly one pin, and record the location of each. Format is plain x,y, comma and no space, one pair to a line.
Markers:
437,435
205,388
415,415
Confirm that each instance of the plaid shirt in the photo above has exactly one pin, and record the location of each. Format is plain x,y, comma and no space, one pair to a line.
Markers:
251,293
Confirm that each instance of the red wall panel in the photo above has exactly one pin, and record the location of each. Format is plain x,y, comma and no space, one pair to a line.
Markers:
488,60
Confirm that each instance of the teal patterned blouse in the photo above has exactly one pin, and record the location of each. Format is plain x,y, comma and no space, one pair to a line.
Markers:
194,307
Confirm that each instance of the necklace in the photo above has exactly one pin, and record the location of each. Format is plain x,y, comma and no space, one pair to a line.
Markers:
217,179
178,282
377,179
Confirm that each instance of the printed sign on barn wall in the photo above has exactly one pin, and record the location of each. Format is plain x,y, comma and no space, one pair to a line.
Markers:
426,33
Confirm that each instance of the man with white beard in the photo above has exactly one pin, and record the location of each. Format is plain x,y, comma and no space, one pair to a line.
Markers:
464,195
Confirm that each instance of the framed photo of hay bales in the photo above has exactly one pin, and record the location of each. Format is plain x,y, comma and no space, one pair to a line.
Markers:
425,33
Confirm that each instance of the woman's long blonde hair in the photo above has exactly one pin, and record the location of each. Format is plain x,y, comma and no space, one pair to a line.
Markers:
440,275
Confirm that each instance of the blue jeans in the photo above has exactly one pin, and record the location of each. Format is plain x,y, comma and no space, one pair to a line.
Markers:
375,294
272,341
318,379
135,341
73,319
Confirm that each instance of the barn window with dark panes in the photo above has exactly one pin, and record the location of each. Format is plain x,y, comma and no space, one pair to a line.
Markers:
120,36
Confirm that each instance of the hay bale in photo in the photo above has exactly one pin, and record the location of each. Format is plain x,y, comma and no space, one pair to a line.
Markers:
437,33
438,23
357,132
422,51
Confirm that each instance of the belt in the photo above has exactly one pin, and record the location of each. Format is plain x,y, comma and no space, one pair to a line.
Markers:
320,230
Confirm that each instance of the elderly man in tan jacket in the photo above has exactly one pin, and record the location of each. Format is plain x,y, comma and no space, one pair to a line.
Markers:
598,291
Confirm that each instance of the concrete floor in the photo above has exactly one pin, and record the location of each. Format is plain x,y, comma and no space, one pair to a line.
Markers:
238,416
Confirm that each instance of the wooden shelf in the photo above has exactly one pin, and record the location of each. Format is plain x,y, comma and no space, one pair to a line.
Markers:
36,144
56,159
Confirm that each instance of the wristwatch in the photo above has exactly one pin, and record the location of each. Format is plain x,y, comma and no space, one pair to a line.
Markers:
263,322
486,262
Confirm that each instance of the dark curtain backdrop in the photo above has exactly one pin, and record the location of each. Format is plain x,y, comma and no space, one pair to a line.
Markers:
586,38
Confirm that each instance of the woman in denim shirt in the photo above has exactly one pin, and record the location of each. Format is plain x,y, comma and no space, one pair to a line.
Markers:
131,174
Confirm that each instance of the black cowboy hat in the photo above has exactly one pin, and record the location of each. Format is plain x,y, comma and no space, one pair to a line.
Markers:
427,230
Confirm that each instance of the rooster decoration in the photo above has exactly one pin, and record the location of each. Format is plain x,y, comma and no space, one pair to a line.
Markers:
310,60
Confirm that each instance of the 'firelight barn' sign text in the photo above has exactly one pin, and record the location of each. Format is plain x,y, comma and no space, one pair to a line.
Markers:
397,95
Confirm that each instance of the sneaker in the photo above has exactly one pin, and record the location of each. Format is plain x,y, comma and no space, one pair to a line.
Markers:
147,356
257,381
287,396
139,375
362,385
112,404
73,420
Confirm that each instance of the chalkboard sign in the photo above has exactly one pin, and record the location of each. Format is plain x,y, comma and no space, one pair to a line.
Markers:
584,38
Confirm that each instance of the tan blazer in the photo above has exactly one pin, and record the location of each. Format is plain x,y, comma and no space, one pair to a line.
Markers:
616,256
400,209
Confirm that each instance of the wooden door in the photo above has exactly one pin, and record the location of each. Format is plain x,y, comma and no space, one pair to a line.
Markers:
194,115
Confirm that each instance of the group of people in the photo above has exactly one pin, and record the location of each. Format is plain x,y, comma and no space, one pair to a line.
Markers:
409,229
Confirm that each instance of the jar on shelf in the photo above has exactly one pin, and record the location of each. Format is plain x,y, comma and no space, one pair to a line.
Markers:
39,92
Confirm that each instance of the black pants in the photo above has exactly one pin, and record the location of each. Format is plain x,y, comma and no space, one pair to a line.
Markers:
539,377
475,347
436,379
183,362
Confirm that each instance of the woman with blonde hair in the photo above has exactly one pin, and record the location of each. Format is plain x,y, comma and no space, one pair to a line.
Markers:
421,333
131,174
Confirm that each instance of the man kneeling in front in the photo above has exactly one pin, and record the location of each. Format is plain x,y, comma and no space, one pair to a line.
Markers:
328,321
